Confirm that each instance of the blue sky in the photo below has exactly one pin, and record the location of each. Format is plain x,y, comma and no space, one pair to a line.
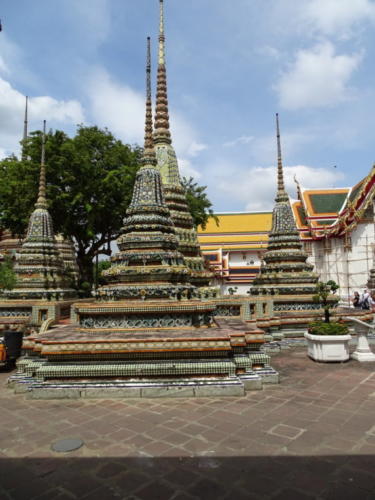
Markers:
231,66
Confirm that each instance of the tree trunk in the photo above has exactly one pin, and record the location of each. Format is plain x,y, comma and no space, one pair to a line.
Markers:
326,315
86,269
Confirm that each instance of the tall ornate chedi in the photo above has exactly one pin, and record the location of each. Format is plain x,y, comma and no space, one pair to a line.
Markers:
39,267
285,271
149,264
175,195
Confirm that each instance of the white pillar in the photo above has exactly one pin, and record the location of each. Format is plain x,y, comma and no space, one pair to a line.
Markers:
363,352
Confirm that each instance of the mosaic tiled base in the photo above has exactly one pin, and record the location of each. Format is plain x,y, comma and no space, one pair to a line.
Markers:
43,380
59,360
34,312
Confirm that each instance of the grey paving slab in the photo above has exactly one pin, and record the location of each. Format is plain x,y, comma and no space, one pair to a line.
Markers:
312,436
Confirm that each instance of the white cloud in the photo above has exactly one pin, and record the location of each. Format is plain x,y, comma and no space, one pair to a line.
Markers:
3,67
187,170
122,110
244,139
195,148
262,149
317,78
11,54
12,106
339,17
116,106
256,186
46,107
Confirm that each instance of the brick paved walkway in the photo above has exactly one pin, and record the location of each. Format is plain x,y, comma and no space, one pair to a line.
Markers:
313,436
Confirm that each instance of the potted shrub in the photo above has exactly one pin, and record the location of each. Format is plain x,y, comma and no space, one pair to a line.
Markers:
327,340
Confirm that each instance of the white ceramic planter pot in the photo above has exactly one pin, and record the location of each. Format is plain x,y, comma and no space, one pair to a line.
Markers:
328,347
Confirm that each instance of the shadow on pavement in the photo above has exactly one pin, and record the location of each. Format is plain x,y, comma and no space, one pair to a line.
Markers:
278,477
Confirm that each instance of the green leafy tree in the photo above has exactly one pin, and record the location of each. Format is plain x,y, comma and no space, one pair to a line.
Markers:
7,275
199,204
90,180
98,270
324,297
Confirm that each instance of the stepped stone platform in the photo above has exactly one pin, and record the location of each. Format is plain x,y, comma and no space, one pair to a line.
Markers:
67,362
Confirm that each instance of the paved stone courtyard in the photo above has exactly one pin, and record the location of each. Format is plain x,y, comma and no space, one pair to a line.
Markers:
311,437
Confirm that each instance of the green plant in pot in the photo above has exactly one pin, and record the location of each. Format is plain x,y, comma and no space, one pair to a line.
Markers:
325,297
327,340
322,328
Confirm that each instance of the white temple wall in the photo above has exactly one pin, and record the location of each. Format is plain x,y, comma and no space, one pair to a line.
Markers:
245,258
349,268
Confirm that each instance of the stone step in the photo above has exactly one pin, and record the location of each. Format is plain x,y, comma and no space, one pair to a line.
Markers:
135,369
200,387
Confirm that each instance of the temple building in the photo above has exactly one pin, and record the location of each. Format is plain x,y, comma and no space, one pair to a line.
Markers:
336,229
234,248
167,164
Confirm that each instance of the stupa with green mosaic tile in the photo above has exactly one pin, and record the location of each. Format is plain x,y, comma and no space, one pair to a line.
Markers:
285,273
167,164
149,265
42,290
39,267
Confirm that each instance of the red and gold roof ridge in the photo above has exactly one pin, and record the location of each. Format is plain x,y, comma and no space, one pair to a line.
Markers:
319,225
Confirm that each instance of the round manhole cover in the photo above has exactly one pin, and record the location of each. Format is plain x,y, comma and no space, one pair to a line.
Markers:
65,445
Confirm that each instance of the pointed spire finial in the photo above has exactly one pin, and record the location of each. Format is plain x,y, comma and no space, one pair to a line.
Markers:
148,69
280,174
149,157
161,34
25,123
162,133
42,201
25,120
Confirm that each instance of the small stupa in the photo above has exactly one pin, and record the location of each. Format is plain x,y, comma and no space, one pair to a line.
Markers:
42,291
39,267
68,255
285,273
